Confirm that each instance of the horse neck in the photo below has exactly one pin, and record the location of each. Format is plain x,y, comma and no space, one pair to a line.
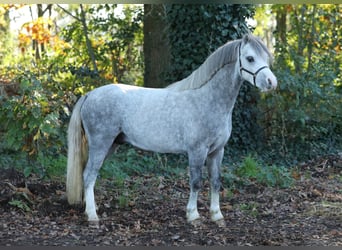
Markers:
224,87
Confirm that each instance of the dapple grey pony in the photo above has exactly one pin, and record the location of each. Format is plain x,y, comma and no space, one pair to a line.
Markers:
192,116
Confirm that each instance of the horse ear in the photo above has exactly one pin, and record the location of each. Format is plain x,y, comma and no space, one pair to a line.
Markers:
246,38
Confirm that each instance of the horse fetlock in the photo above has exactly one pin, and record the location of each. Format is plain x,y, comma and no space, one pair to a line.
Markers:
93,220
192,214
91,215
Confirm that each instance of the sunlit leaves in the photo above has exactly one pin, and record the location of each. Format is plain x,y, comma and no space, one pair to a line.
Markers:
32,120
116,40
305,114
40,31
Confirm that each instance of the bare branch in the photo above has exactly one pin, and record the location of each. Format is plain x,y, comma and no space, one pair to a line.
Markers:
69,13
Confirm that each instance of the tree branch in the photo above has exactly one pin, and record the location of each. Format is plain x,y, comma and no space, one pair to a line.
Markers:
88,42
69,13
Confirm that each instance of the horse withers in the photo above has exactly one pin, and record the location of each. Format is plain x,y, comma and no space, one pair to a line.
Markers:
192,116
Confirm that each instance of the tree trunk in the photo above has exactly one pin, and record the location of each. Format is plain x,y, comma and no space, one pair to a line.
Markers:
156,48
281,23
312,37
88,42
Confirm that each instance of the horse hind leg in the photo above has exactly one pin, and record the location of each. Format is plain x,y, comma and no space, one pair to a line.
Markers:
89,176
214,163
97,154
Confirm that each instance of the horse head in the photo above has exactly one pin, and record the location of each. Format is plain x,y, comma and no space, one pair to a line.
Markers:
254,60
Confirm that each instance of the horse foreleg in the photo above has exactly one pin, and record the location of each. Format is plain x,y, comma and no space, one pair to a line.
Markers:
213,163
195,186
191,209
215,211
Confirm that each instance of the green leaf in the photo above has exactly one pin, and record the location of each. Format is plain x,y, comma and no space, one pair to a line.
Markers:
27,171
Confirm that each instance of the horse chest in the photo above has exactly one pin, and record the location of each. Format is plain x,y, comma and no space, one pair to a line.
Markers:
219,138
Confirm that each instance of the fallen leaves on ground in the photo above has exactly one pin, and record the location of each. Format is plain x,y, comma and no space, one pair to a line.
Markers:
35,212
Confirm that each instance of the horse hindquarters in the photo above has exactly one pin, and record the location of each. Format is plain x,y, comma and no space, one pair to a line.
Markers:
102,128
86,153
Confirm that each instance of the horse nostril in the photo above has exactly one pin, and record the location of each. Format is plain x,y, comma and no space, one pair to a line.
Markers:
269,81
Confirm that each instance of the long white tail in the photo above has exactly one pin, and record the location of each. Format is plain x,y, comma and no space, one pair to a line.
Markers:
77,156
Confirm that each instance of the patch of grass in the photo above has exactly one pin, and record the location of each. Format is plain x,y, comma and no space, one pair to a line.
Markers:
128,167
123,201
46,166
53,166
251,170
275,176
129,161
249,208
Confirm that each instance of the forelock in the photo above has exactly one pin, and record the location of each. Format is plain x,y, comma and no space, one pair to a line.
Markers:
257,45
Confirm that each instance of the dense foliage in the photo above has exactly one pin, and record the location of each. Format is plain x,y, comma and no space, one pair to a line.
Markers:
54,61
52,69
195,31
116,42
303,118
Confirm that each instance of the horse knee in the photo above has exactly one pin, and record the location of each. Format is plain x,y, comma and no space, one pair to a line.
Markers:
215,178
216,185
196,177
196,184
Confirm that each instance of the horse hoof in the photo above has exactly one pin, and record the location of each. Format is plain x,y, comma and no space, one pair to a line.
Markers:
196,223
221,223
192,215
94,224
216,215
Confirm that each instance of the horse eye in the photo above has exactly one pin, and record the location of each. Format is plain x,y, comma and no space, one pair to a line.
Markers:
250,59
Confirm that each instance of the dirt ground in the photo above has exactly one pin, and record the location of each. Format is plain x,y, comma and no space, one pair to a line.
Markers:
150,211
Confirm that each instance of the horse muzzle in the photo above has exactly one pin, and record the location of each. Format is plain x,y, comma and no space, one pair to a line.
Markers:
266,80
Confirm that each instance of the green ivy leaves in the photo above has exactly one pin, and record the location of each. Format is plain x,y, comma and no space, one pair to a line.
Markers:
195,31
